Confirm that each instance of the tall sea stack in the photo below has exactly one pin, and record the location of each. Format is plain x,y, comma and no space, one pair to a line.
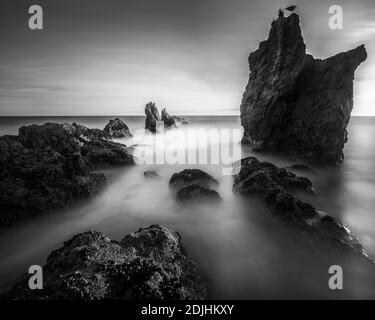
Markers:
295,105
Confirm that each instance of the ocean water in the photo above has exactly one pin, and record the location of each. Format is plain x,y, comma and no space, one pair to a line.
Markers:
244,250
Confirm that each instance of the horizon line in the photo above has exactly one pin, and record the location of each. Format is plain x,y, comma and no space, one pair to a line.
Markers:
137,115
128,115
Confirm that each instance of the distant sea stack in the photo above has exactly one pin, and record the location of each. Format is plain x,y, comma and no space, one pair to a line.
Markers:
153,118
295,105
169,121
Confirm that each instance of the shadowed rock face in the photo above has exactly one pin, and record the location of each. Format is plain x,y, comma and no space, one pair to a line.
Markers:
190,177
275,187
152,116
148,264
194,185
295,105
116,128
194,193
169,121
51,166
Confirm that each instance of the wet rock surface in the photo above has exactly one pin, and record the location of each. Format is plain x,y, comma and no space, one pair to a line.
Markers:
51,166
194,192
194,185
106,154
116,128
189,177
82,134
148,264
300,168
295,105
275,187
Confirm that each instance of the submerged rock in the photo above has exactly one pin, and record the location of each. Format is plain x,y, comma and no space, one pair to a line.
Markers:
51,166
275,187
194,193
189,177
194,185
181,120
296,105
151,174
148,264
116,128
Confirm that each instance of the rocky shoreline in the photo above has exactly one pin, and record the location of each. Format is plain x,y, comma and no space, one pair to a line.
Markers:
286,109
152,263
52,166
148,264
276,187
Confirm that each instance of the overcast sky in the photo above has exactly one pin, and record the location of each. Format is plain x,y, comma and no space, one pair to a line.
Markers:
111,57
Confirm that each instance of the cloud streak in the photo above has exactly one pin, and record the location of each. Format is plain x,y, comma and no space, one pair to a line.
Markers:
111,57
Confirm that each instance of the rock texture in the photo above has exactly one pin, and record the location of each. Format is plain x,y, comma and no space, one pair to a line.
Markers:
148,264
153,117
275,186
169,121
116,128
295,105
51,166
189,177
194,193
194,185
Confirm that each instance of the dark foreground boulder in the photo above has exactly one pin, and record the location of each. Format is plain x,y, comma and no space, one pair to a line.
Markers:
275,187
295,105
51,166
148,264
116,128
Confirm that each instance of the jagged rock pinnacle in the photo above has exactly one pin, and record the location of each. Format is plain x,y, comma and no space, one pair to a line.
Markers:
296,105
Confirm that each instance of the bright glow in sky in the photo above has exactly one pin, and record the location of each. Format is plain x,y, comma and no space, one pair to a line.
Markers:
111,57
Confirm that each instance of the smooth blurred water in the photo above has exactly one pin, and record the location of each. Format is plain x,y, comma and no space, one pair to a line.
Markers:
245,251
